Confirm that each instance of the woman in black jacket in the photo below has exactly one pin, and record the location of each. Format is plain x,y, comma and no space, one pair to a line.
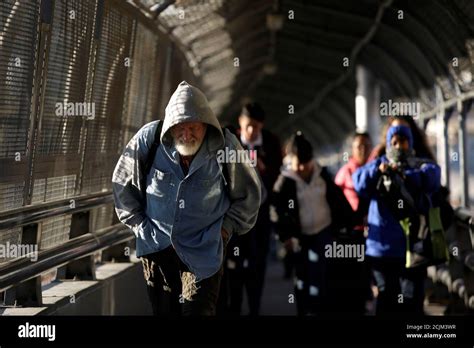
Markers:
308,211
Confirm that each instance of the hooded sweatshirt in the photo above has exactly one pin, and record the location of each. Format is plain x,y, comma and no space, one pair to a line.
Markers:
188,210
386,237
314,210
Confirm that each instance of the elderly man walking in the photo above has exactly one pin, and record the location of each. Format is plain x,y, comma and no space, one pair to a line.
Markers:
183,204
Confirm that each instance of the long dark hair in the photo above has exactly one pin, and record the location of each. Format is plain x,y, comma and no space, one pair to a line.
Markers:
299,146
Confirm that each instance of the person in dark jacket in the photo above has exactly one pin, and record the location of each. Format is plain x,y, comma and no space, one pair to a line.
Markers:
308,208
417,179
355,283
247,256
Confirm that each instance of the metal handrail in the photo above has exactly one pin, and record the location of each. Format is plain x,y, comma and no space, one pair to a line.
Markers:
35,213
20,270
443,273
464,215
452,102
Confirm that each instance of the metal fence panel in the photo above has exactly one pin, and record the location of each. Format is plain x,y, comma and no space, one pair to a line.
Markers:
57,160
17,64
143,88
110,76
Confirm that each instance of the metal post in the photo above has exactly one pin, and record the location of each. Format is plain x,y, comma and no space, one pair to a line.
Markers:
463,165
367,103
84,268
37,101
118,252
445,170
28,293
442,144
88,93
165,83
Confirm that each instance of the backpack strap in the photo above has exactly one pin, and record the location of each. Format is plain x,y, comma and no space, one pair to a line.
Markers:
154,147
224,169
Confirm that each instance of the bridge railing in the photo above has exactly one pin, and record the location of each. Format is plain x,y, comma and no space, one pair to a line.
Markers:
20,278
457,275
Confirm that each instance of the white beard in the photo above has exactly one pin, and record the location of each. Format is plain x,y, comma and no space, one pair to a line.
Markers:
188,149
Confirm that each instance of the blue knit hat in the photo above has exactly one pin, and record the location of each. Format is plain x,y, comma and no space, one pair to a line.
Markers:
403,131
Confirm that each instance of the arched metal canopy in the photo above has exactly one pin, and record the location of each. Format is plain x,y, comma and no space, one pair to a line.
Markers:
237,50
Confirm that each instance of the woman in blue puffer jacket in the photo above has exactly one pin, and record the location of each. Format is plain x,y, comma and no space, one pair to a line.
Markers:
386,243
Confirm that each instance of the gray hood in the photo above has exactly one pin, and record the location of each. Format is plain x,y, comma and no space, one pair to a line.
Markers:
189,104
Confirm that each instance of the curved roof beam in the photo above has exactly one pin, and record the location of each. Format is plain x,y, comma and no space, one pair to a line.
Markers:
315,104
338,119
424,38
442,27
382,37
393,69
